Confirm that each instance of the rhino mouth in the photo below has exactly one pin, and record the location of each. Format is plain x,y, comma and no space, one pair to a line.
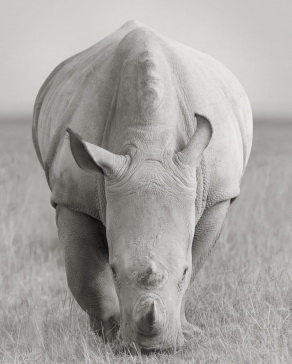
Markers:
145,350
138,349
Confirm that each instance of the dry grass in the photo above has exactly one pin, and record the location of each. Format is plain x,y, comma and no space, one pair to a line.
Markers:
242,298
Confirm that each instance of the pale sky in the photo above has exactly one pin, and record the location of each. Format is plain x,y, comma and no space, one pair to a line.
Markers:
253,38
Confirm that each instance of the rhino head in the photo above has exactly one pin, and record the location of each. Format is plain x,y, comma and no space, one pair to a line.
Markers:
150,224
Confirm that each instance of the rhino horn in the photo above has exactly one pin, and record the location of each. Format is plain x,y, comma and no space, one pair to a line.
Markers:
92,158
150,319
153,267
152,275
193,151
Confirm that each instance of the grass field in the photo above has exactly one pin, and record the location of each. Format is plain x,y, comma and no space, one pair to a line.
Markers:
241,299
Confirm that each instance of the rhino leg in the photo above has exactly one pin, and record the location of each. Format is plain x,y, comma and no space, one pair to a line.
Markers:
88,273
189,330
207,232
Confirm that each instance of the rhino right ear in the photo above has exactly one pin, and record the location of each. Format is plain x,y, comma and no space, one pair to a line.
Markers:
92,158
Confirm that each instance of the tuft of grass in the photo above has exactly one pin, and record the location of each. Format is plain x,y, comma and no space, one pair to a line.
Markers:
241,299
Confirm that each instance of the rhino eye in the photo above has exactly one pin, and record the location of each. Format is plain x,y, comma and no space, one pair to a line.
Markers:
114,273
185,271
181,282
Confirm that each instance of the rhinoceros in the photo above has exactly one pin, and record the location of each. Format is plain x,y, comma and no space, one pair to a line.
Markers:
144,142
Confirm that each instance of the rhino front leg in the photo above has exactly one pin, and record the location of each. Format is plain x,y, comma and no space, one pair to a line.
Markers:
88,273
207,232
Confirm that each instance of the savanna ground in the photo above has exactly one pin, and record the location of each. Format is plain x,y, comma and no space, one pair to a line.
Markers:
241,299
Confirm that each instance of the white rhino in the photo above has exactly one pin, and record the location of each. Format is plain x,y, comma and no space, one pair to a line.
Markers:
144,142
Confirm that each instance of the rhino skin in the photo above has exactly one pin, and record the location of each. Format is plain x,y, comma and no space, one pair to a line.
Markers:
144,142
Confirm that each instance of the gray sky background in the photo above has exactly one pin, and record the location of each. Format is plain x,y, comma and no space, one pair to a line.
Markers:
251,37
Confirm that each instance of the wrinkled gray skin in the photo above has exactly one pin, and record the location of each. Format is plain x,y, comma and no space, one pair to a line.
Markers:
156,164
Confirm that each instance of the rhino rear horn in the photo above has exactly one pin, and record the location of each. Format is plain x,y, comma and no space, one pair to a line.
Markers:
92,158
192,153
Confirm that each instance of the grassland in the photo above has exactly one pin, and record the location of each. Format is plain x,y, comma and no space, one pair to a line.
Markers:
241,299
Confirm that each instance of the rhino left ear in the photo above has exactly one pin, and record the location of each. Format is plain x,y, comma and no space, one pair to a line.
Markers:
92,158
192,153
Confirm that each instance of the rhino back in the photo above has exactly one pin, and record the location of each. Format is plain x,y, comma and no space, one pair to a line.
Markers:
137,85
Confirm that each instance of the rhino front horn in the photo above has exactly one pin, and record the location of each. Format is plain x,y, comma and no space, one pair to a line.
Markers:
149,315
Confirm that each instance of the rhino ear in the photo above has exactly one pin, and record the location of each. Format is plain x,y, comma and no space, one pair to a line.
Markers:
92,158
192,153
